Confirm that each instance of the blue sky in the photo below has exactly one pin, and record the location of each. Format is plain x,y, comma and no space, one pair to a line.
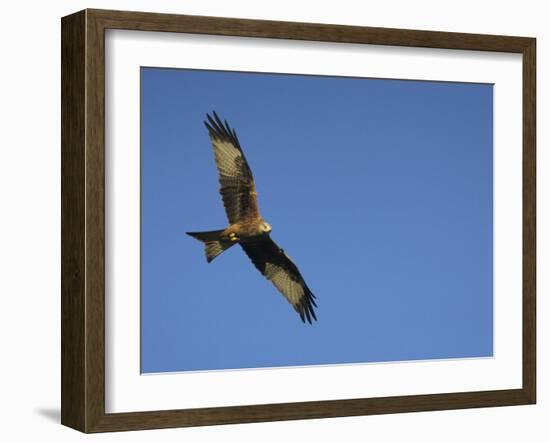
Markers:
380,191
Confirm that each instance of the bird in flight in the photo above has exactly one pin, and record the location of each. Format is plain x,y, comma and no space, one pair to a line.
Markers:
246,225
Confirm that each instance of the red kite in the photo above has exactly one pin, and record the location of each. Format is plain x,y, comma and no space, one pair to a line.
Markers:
246,225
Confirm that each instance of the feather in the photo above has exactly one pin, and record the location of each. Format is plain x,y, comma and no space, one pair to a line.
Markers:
276,266
237,186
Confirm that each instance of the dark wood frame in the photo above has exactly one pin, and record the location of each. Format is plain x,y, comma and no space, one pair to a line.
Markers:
83,217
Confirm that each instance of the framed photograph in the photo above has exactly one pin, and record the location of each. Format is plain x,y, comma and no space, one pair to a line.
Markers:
267,220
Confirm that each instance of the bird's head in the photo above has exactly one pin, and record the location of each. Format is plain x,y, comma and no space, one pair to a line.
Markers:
265,227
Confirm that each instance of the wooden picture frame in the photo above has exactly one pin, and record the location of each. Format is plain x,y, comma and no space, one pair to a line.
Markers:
83,220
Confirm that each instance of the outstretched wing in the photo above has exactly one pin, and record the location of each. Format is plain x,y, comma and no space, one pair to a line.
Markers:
236,182
277,266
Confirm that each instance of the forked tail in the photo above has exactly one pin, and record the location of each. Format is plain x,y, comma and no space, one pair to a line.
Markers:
213,244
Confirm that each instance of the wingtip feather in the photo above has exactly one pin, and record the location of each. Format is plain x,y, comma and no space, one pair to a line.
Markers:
221,130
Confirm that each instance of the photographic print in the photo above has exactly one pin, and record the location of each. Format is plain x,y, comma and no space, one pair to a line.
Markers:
266,220
377,192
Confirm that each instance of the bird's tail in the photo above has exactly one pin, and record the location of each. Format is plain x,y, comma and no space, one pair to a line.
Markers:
213,244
